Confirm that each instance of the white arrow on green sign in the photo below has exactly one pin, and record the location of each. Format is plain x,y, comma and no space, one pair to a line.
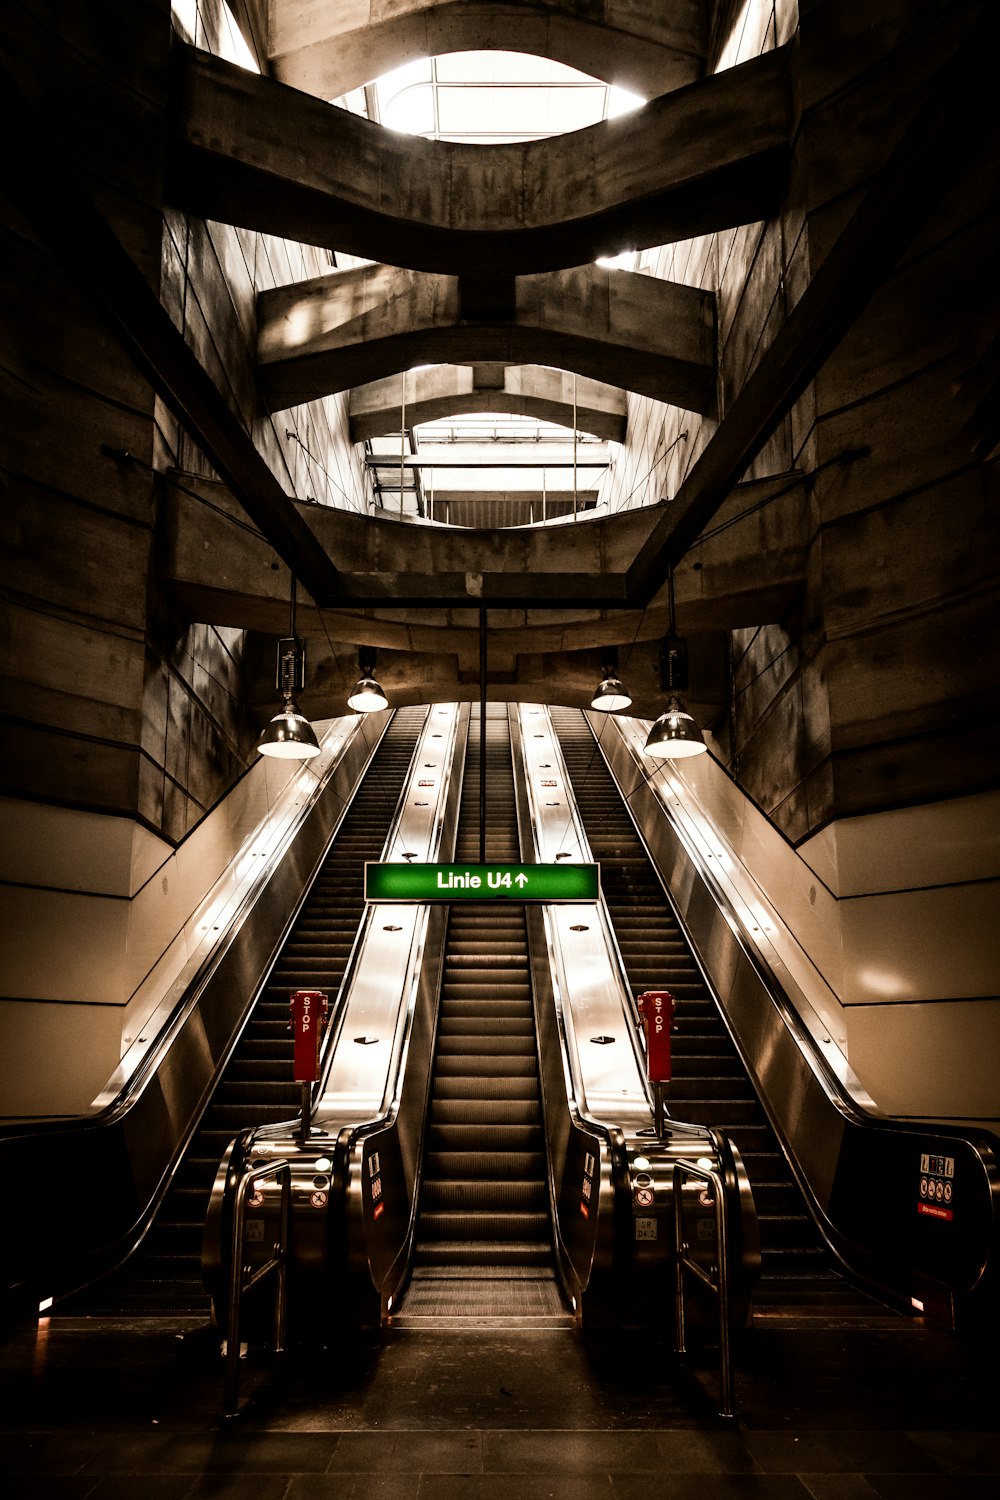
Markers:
413,882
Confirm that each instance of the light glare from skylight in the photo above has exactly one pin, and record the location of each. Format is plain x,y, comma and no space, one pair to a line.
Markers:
488,98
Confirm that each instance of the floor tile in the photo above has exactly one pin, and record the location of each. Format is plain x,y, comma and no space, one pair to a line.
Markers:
708,1487
695,1452
516,1487
838,1453
962,1452
154,1487
839,1487
238,1487
353,1487
407,1453
49,1487
935,1486
579,1452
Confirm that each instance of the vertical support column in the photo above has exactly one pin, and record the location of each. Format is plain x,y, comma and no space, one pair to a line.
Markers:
482,736
402,437
574,445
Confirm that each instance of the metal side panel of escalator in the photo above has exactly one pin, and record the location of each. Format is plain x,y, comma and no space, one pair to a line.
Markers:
256,1085
618,1179
125,1153
354,1156
838,1187
710,1085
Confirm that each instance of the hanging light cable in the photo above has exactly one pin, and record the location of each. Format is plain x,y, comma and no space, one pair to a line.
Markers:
289,735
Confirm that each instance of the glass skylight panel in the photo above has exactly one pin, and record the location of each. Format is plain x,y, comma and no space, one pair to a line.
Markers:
233,46
487,98
411,110
513,112
504,67
417,71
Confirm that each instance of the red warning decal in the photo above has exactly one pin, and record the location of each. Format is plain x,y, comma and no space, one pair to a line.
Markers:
933,1212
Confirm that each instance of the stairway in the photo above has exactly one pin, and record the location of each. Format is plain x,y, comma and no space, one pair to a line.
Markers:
256,1087
483,1251
710,1084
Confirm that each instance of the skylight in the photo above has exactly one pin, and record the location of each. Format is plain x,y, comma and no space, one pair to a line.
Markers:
490,99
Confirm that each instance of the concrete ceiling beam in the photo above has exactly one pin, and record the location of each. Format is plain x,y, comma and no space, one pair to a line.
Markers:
443,391
541,676
351,327
411,586
249,151
645,45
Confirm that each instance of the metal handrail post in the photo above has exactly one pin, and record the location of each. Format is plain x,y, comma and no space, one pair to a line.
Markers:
238,1287
719,1287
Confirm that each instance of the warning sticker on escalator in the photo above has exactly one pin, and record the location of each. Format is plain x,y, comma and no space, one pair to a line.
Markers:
936,1189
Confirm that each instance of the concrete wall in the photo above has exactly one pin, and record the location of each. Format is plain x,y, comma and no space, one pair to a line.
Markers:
121,728
875,690
105,924
861,721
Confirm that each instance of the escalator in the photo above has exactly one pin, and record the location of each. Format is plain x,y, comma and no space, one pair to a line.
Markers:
452,1173
483,1246
256,1087
710,1084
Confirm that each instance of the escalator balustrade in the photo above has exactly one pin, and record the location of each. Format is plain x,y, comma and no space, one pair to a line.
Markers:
710,1085
256,1086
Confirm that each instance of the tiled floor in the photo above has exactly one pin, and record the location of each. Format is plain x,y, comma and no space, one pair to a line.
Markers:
102,1411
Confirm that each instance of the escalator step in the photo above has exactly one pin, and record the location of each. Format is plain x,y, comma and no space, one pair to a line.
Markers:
458,1137
463,1195
486,1092
484,1253
733,1087
504,1062
492,1026
518,1165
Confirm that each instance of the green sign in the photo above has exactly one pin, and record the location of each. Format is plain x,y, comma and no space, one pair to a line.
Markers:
413,882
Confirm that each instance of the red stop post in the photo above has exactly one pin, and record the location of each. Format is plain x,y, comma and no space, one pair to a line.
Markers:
308,1009
657,1010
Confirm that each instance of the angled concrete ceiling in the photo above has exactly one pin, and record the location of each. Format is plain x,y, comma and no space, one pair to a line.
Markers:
647,45
445,390
249,151
325,335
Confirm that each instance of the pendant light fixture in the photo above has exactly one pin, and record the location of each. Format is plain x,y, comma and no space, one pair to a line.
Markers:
290,736
675,734
611,694
367,696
